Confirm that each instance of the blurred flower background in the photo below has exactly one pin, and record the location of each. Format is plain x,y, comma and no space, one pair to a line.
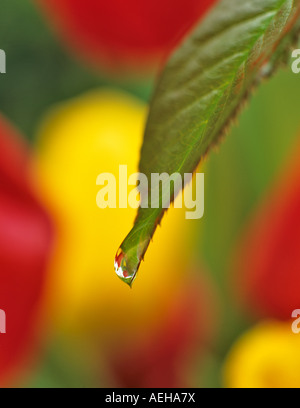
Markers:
213,301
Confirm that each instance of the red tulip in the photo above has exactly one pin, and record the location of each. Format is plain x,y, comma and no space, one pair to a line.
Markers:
119,31
268,264
165,358
25,236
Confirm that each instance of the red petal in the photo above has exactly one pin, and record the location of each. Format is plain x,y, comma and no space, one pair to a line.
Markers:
25,239
122,30
268,265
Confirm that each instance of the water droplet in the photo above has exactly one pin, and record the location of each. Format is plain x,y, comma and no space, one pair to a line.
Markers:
122,270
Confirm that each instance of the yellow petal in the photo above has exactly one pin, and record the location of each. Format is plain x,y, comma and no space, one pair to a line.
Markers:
268,356
77,141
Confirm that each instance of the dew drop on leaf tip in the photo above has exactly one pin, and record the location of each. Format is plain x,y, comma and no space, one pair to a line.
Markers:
121,268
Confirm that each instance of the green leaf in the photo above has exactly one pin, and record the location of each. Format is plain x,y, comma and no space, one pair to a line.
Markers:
199,93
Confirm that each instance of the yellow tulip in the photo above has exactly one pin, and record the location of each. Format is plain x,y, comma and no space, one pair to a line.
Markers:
268,356
77,141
